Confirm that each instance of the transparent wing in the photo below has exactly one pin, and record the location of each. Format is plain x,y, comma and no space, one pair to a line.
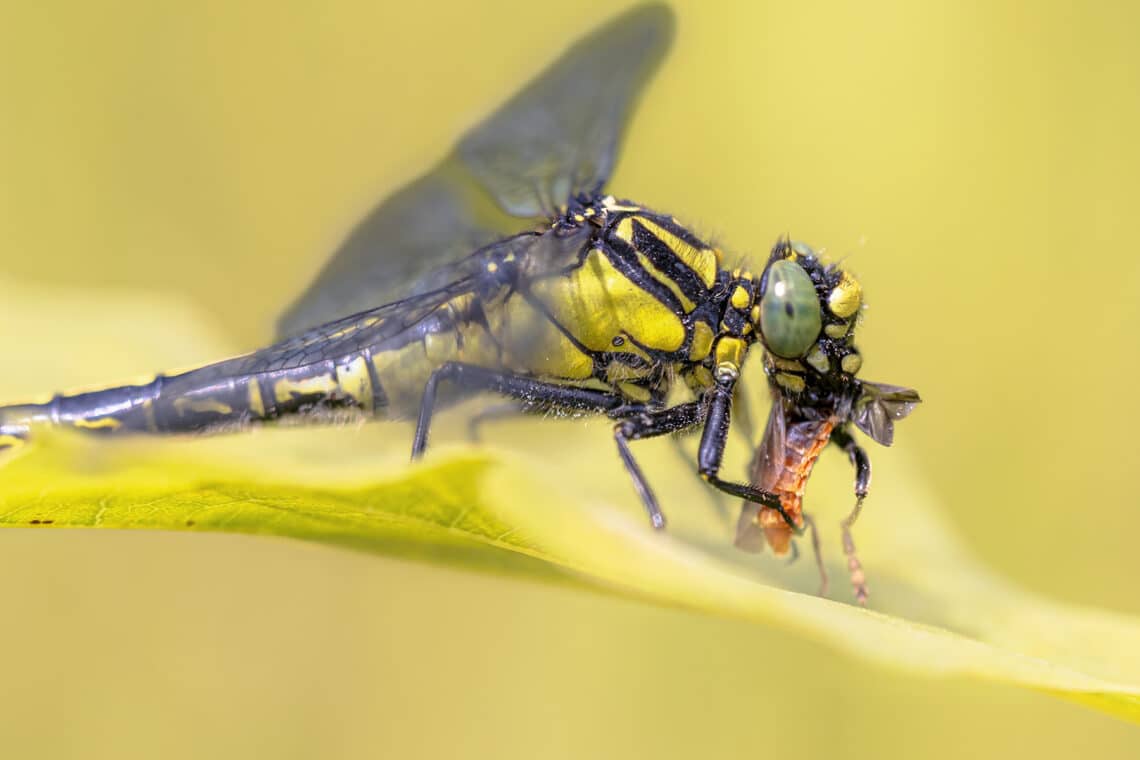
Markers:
763,472
558,137
371,328
554,140
879,406
768,459
436,219
349,334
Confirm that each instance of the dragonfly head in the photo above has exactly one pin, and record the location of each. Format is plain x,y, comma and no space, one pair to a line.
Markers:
806,317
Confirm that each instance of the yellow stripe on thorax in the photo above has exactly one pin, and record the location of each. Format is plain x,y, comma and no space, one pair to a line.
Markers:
704,261
531,342
624,231
597,304
665,280
702,342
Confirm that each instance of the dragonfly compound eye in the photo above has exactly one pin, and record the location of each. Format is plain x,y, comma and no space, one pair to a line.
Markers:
790,317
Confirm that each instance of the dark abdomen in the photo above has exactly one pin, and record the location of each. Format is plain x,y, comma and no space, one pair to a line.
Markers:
210,398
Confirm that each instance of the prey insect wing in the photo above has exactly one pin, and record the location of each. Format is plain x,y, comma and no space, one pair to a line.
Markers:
764,470
880,406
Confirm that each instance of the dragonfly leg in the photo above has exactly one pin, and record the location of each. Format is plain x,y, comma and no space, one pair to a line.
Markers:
862,464
650,424
711,453
527,390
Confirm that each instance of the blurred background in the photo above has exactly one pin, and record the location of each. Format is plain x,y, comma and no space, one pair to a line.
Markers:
977,164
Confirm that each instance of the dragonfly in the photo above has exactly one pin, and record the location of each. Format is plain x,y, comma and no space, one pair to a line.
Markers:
509,269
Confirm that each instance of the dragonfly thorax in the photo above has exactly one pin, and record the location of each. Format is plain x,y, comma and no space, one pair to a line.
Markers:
680,307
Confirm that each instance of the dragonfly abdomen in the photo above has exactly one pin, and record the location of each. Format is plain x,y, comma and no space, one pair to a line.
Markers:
207,399
126,407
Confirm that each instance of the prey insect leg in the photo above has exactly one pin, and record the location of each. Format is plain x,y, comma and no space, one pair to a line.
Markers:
862,465
809,521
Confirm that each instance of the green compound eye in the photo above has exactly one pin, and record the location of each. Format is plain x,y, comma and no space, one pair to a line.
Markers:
789,311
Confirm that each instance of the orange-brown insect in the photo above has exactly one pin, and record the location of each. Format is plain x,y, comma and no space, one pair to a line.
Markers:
784,470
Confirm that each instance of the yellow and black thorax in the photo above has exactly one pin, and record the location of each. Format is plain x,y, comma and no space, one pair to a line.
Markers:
648,301
640,304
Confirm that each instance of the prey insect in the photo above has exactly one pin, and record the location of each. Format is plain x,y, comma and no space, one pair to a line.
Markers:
508,269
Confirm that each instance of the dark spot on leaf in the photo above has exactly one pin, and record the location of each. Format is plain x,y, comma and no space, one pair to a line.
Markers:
34,522
46,522
189,523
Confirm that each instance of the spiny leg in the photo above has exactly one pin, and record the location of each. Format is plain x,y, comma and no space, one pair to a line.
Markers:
639,421
649,425
862,464
525,389
711,452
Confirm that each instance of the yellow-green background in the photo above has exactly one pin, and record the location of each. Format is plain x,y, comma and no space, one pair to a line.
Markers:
978,163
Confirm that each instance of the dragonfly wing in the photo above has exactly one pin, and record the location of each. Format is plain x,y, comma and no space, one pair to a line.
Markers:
349,334
555,139
439,217
470,275
558,138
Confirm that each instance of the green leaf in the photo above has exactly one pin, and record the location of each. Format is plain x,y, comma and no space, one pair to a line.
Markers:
554,506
